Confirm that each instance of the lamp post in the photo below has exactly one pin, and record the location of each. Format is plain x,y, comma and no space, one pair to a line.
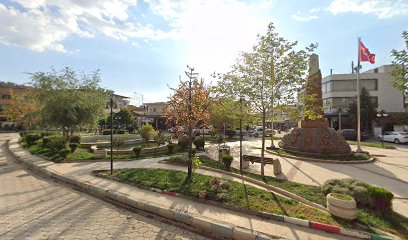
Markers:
111,134
339,111
381,115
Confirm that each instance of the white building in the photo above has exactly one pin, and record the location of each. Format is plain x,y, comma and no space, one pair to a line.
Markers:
154,115
339,90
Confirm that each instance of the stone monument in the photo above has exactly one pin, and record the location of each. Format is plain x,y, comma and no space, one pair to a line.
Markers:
313,137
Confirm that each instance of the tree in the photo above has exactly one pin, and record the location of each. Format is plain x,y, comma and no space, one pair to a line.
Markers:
188,114
68,100
270,75
24,108
123,118
368,109
401,66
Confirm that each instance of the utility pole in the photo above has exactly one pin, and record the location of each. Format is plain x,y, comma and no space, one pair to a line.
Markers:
240,135
192,76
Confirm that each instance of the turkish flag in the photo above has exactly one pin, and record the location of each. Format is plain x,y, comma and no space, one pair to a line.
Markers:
365,55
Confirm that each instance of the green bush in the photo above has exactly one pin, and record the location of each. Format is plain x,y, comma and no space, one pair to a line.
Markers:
31,138
137,150
340,189
45,141
170,148
106,132
73,146
145,131
75,139
178,160
199,143
122,131
379,198
56,143
63,153
131,129
360,194
227,160
183,143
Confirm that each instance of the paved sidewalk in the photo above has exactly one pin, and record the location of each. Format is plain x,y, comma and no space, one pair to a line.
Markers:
81,172
389,171
33,207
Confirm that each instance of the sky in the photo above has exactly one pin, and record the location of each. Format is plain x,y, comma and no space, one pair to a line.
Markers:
142,47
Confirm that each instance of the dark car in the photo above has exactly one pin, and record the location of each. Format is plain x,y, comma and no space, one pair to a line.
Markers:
351,134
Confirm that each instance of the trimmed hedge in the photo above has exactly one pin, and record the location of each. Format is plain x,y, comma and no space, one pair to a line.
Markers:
227,160
137,150
183,142
379,198
122,131
73,146
199,143
75,139
31,138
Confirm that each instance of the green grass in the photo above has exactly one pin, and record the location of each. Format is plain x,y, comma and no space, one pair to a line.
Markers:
353,157
342,197
391,222
80,154
238,195
373,144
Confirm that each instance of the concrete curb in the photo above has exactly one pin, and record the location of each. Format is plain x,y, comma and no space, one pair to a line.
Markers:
210,226
372,159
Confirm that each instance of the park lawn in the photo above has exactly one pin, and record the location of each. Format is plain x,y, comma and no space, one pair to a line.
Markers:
373,144
391,222
238,196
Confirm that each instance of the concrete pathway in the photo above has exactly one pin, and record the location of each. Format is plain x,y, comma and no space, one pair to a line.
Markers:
34,207
82,171
390,171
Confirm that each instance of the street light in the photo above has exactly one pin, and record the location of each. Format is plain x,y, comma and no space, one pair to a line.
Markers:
381,115
339,111
111,133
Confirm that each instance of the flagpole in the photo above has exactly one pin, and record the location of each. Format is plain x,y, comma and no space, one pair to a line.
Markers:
358,99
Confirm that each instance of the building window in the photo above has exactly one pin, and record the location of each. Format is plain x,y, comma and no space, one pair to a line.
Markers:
154,109
369,84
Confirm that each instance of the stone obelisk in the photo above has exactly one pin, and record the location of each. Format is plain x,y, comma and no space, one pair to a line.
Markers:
313,136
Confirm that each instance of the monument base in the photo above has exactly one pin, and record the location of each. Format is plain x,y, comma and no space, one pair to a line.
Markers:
315,142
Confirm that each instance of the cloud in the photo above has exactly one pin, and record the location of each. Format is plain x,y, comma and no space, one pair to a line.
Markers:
216,31
43,25
312,15
383,9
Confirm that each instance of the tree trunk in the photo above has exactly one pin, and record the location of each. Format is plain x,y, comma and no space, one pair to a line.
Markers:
263,142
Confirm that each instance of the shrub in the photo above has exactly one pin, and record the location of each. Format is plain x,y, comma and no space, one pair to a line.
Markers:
341,190
196,163
75,139
56,143
159,138
106,132
63,153
219,139
183,142
193,152
137,150
73,146
145,130
230,133
131,129
118,142
31,138
170,148
45,141
360,194
121,131
199,143
379,198
227,160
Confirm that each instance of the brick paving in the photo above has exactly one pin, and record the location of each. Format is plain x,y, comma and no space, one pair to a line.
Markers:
34,207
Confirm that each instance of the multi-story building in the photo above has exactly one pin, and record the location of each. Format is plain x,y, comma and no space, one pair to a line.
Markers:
154,115
339,90
8,91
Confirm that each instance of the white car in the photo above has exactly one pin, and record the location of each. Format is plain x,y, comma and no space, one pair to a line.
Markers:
396,137
207,131
257,131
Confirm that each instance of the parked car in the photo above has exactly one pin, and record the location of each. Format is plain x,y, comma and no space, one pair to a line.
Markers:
244,131
172,129
351,134
257,131
396,137
207,131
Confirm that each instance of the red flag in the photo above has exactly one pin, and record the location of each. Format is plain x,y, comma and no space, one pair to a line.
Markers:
365,55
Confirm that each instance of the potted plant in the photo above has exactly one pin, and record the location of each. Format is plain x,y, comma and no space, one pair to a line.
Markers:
341,205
